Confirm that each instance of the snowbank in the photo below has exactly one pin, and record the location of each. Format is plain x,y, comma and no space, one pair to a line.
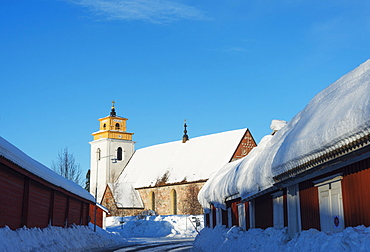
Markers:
338,115
75,238
235,239
155,226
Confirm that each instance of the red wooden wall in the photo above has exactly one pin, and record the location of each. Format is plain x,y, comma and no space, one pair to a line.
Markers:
27,200
356,193
99,215
263,211
247,214
309,204
11,197
235,213
224,217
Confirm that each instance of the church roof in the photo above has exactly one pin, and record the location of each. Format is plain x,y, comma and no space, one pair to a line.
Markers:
176,162
129,199
334,119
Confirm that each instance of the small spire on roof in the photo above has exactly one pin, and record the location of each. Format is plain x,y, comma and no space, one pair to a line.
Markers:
185,137
113,111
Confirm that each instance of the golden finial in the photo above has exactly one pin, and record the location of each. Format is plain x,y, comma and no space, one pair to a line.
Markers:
113,102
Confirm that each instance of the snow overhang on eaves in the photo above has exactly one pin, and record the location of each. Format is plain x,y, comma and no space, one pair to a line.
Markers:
326,157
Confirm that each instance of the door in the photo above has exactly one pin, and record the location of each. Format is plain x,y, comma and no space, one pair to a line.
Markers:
331,207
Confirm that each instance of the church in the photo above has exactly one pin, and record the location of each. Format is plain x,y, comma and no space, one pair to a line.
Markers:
165,178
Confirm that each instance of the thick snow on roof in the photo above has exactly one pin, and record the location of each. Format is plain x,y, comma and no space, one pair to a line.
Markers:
12,153
176,162
336,116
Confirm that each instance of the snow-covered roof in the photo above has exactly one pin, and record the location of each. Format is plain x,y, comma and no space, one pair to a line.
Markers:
175,162
12,153
338,115
125,195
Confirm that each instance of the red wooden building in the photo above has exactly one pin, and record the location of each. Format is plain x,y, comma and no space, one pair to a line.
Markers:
326,185
32,195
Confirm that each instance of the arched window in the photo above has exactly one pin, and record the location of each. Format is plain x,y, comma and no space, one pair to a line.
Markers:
173,199
104,126
117,126
119,154
152,200
98,154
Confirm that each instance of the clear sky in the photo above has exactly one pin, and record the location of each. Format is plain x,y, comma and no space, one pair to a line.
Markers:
222,65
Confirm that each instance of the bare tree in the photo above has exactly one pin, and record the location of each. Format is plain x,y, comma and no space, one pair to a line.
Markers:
66,166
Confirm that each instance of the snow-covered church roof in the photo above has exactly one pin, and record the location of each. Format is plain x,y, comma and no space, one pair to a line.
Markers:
176,162
15,155
337,116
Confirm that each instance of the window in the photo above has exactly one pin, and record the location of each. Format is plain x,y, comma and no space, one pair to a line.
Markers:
98,154
104,126
173,198
117,126
119,154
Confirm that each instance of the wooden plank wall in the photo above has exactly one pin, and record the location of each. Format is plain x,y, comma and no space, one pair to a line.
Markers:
235,213
11,197
247,214
309,204
356,194
263,211
99,215
32,202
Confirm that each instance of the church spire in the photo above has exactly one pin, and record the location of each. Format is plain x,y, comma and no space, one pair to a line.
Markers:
185,137
113,111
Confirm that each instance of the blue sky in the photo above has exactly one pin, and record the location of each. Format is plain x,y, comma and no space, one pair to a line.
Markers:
222,65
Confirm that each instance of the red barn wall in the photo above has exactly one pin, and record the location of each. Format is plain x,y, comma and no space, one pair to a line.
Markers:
309,204
263,211
355,196
27,200
11,197
38,205
247,219
99,215
356,193
235,213
59,212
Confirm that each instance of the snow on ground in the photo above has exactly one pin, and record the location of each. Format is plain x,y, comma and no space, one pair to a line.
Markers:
235,239
81,238
75,238
155,226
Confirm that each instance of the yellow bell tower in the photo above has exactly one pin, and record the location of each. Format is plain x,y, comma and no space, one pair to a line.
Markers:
113,127
111,150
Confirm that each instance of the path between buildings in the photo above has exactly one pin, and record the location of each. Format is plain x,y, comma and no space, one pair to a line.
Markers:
156,244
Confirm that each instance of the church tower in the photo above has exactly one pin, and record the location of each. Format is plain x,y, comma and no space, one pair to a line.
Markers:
110,151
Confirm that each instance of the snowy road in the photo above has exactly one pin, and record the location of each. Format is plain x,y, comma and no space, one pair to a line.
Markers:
157,244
